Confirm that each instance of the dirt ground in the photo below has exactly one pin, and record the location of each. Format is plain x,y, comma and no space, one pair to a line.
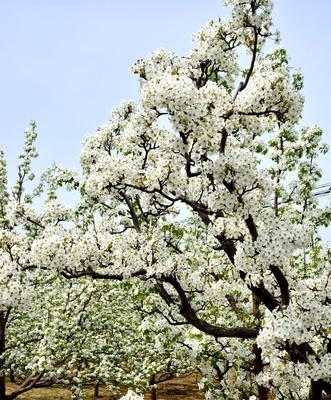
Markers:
180,389
183,389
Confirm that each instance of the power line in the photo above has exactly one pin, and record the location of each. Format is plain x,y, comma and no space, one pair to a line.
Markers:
323,185
322,193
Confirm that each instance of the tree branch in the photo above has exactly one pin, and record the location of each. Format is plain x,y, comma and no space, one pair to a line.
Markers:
189,313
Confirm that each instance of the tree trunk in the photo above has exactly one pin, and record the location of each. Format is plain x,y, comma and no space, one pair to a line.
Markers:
258,367
315,392
153,388
2,350
153,393
11,375
258,364
96,389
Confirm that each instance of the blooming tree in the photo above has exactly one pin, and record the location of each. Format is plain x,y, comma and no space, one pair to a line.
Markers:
72,333
204,190
83,332
20,224
17,231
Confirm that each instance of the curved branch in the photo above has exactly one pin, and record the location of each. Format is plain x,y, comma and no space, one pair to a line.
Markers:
283,284
98,275
190,315
243,85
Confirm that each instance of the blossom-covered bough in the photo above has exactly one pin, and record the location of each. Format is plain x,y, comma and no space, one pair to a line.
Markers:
59,331
204,190
87,332
18,228
20,225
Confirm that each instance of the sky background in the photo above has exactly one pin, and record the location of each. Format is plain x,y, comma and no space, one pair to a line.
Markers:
66,63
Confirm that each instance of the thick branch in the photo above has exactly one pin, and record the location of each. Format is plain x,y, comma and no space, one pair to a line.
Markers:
190,315
133,214
27,385
283,284
98,275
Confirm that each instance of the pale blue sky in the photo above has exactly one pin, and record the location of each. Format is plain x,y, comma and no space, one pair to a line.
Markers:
65,63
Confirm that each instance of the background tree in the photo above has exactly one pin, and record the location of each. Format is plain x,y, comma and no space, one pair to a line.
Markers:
80,332
17,231
73,333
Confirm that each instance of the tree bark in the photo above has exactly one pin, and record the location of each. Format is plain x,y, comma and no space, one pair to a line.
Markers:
258,367
2,350
153,388
11,375
315,392
258,363
96,389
